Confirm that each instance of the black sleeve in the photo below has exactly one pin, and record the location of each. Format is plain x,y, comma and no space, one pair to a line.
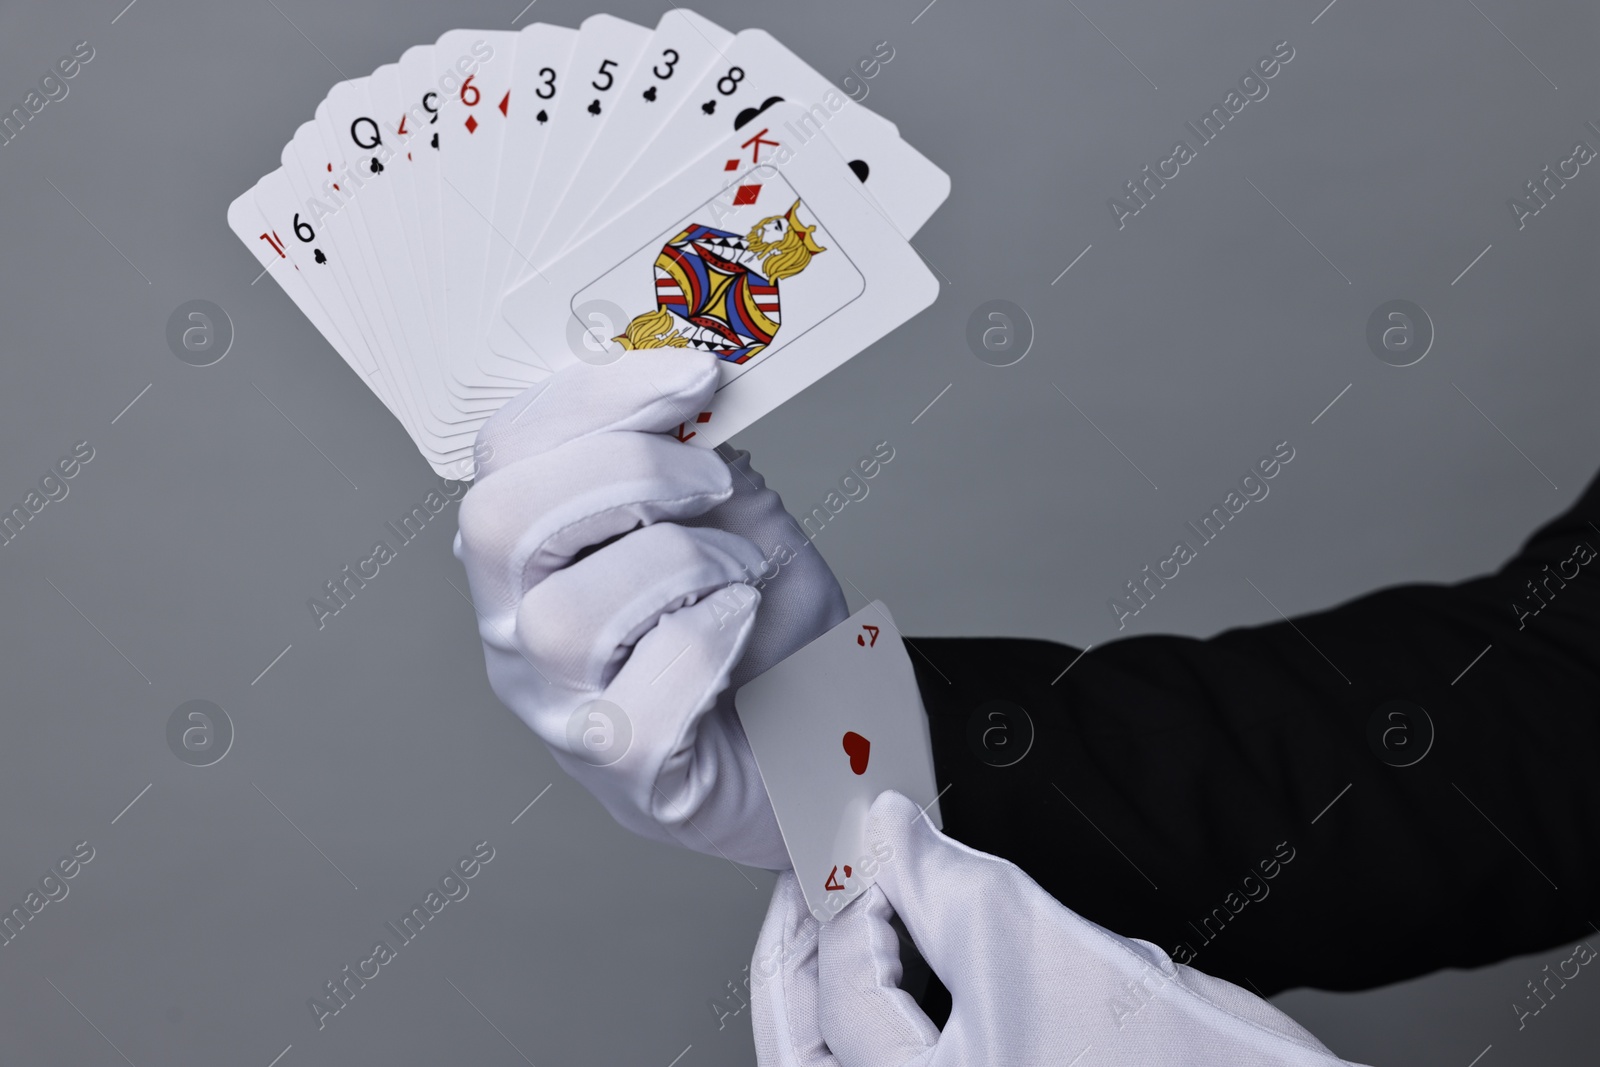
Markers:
1244,801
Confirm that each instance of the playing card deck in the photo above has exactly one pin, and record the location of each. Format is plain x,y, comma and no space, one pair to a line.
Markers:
499,204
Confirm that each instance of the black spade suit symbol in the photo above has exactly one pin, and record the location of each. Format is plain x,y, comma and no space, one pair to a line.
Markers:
751,112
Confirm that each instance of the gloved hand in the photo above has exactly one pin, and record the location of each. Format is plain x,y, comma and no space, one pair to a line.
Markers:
620,656
1031,982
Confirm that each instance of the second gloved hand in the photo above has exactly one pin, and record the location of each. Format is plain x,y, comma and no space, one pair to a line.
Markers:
614,570
1032,983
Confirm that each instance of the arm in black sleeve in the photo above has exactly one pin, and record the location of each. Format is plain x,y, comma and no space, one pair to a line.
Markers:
1235,800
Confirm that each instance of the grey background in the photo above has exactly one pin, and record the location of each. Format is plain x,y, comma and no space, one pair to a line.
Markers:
1194,339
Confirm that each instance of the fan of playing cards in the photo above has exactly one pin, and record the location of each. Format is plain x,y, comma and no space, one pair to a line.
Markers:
463,223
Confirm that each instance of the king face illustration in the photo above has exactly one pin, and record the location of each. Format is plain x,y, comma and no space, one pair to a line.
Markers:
718,292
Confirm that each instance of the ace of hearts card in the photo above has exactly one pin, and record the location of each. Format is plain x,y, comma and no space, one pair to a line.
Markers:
833,726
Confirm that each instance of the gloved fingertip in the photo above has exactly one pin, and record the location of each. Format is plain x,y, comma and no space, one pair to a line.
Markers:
891,803
683,379
682,367
896,820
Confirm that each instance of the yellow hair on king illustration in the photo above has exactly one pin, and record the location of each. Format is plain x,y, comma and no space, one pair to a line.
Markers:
791,253
653,329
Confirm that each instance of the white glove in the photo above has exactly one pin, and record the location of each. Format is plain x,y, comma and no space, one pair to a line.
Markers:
1031,982
619,657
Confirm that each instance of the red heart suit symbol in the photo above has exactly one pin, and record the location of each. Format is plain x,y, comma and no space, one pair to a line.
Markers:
858,748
